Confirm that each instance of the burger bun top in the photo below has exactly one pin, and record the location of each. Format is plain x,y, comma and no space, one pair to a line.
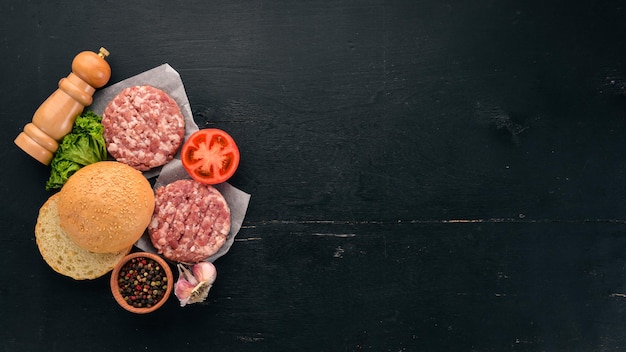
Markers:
106,206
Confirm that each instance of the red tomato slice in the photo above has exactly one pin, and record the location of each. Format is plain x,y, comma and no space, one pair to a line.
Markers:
210,156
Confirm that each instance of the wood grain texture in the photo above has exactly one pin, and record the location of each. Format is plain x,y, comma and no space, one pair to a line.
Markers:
425,175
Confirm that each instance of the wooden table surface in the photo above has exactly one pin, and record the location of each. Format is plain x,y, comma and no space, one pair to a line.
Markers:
425,175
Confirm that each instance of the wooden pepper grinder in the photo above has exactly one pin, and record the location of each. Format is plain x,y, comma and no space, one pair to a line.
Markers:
55,117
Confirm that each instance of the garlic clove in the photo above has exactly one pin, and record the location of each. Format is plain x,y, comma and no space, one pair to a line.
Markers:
183,291
186,274
205,272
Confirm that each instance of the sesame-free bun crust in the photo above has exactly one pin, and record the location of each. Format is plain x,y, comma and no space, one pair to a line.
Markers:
106,206
62,254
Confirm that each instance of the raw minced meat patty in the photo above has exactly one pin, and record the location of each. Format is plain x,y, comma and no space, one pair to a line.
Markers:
143,127
191,221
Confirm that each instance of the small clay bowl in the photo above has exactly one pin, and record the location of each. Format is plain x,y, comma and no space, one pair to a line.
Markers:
133,259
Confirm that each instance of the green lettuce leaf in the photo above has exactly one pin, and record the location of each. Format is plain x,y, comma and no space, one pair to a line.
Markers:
84,145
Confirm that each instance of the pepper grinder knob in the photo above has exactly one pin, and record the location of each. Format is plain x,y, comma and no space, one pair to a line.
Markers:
56,115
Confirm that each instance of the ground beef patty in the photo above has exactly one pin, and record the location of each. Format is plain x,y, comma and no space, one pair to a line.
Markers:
191,221
143,127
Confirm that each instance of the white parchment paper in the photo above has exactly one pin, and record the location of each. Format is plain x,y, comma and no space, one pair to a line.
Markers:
237,201
167,79
163,77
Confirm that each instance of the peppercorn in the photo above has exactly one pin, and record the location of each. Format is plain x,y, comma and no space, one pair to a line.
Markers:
142,282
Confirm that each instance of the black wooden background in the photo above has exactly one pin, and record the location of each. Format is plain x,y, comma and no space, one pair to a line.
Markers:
425,175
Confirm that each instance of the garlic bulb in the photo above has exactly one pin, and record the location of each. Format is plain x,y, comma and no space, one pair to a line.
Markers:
193,285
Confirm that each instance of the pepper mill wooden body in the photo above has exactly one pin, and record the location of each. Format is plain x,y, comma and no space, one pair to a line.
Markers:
55,117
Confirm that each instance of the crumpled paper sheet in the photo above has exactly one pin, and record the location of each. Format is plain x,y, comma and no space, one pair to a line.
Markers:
167,79
163,77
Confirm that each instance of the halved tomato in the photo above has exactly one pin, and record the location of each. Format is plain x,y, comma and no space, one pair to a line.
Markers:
210,156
